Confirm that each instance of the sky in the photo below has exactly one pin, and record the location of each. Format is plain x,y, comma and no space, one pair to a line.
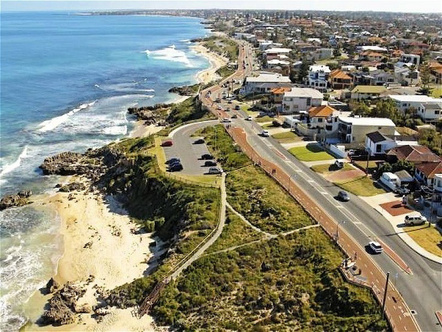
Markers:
413,6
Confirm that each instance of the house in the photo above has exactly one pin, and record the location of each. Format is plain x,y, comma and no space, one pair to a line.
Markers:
367,91
265,82
411,59
339,80
436,71
318,77
416,154
429,109
276,53
406,76
323,117
372,56
278,94
300,100
280,66
430,174
355,129
323,53
378,143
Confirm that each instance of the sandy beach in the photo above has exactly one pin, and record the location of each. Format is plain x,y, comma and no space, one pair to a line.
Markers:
216,61
99,241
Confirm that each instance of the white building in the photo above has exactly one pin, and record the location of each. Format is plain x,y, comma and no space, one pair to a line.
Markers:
411,59
300,100
264,83
377,143
276,53
355,129
429,109
318,77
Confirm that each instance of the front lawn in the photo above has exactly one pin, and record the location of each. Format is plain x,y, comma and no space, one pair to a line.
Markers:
326,168
310,152
362,186
427,237
287,137
265,118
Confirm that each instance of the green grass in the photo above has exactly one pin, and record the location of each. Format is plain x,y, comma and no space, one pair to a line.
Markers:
265,118
284,284
436,92
235,232
362,186
311,152
263,202
267,126
225,71
287,137
326,168
222,46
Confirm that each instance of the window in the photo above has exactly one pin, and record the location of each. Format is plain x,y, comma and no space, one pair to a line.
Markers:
309,101
319,119
436,112
378,148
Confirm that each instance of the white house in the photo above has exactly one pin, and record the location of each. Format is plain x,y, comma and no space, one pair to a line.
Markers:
378,143
264,83
429,109
411,59
430,174
318,77
355,129
276,53
300,100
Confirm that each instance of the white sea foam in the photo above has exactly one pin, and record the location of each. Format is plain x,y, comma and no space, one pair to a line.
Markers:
9,168
53,123
170,54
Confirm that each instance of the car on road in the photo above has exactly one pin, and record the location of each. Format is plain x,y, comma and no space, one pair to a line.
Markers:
199,141
217,100
343,196
249,118
226,120
176,167
214,170
415,219
265,133
237,107
167,143
229,101
210,163
375,247
234,116
173,160
207,156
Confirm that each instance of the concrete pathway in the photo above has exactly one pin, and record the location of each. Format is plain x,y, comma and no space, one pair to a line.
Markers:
395,221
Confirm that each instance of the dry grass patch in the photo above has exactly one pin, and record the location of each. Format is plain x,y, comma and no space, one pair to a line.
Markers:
428,238
362,186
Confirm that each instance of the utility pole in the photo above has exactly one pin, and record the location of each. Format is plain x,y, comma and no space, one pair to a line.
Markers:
385,295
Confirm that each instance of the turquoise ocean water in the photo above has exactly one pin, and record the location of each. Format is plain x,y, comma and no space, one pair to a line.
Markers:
66,83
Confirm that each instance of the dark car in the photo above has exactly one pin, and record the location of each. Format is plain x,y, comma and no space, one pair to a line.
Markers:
210,163
207,156
176,167
167,143
234,116
402,191
343,196
199,141
173,160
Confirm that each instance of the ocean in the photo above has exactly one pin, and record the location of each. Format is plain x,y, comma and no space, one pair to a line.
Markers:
66,83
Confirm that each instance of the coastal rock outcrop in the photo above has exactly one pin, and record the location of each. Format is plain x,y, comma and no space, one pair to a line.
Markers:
185,90
151,114
19,199
74,186
62,306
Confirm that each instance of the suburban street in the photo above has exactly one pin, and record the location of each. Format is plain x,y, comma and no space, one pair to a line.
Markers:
421,289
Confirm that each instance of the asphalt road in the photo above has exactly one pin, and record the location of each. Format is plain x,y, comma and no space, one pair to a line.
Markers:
422,290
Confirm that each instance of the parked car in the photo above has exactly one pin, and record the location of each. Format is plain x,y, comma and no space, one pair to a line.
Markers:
339,164
249,118
237,107
176,167
375,247
228,109
402,191
226,120
343,196
210,163
207,156
229,101
199,141
173,160
167,143
265,133
415,219
214,170
217,100
234,116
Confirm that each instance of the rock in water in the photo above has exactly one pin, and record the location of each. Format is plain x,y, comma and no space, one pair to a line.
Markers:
19,199
52,285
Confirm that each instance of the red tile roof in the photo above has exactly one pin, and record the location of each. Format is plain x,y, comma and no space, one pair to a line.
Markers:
414,153
430,169
321,111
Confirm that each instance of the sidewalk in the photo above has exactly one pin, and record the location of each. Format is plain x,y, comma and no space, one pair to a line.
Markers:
376,201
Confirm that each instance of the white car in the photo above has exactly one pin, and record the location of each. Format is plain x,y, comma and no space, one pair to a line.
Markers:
265,133
249,118
226,120
375,247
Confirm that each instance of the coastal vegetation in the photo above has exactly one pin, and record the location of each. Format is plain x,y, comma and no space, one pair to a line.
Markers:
222,46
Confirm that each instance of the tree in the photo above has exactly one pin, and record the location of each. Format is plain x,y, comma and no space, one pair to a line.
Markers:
425,74
303,70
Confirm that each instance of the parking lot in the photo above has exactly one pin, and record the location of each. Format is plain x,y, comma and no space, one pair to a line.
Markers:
189,153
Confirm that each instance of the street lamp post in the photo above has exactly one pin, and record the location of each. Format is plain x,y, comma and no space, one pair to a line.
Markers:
337,229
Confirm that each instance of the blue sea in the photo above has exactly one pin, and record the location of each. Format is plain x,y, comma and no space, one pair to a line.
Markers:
67,80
